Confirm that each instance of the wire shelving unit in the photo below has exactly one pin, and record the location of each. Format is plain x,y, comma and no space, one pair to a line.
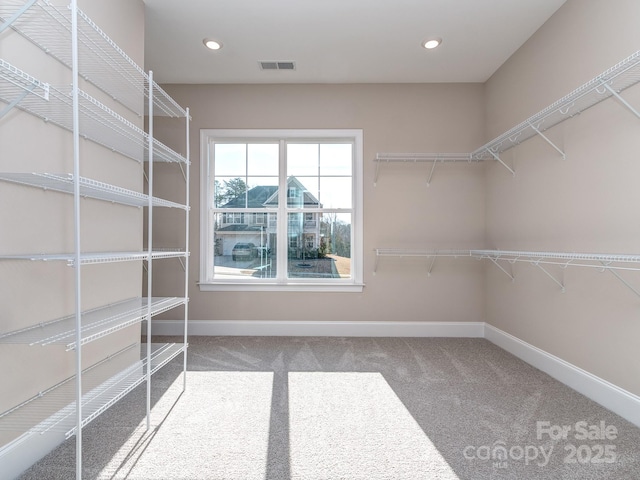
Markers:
71,37
54,409
98,122
63,182
102,61
96,323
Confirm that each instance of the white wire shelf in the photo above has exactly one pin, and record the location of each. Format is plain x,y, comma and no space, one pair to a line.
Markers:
88,188
95,258
608,84
54,409
433,254
16,85
433,158
612,263
98,122
102,62
96,323
595,260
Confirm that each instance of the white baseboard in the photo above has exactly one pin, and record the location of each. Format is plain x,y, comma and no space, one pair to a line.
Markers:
320,328
614,398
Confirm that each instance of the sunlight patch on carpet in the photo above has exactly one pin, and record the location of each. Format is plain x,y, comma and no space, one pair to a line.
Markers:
353,425
218,428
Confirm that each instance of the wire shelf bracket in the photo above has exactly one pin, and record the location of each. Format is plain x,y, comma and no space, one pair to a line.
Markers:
430,254
622,280
433,158
608,84
548,274
621,100
546,139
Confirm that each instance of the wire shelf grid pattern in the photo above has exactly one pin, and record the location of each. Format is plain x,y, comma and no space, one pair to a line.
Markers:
95,258
96,323
618,78
610,83
88,188
602,261
16,82
98,123
102,62
54,409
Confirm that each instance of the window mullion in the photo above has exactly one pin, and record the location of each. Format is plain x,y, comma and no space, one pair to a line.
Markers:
282,233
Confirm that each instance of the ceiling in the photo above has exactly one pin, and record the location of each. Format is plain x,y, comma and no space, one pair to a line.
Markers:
337,41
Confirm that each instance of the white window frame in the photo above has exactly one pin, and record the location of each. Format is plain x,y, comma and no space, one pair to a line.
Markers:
353,284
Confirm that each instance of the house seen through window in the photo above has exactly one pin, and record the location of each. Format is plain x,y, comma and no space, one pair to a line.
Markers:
282,210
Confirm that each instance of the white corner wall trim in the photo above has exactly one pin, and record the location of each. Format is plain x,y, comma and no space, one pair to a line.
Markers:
614,398
320,328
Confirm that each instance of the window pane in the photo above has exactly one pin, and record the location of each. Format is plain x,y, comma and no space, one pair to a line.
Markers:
336,159
335,192
302,159
319,245
230,160
230,192
263,192
263,159
244,245
302,192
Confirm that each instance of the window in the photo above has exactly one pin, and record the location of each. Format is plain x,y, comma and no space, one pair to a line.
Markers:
281,210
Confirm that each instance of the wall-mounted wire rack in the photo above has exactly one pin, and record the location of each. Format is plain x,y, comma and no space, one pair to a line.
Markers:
608,84
433,158
602,261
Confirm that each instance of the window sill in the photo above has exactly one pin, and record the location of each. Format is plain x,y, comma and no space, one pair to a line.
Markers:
276,287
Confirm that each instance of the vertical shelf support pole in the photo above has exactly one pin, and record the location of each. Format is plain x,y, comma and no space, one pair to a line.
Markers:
186,260
76,221
149,249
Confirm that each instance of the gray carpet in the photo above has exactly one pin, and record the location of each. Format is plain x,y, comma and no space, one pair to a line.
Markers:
274,408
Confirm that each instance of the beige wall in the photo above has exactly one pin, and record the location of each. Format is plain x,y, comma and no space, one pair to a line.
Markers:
37,221
400,212
586,203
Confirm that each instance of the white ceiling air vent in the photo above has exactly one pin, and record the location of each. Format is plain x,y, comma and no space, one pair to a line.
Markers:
277,66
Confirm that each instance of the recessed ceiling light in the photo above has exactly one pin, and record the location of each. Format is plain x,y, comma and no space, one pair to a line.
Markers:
212,44
431,43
